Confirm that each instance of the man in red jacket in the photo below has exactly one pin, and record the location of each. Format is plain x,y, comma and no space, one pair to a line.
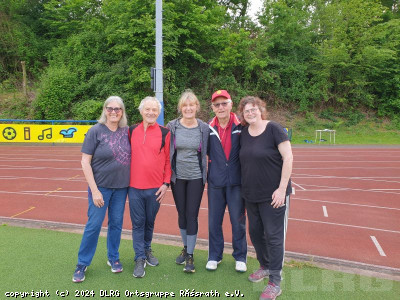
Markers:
150,178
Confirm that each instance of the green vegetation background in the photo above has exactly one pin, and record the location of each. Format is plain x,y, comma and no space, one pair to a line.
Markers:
317,63
40,259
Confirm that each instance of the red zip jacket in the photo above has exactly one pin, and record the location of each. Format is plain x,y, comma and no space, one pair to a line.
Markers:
150,167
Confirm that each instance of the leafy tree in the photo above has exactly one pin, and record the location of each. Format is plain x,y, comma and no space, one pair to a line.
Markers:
288,36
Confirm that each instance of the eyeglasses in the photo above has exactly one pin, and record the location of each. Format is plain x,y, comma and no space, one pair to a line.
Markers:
250,111
111,109
223,104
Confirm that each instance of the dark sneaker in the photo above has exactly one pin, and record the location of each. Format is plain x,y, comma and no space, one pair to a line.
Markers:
139,272
116,266
150,259
79,274
189,264
272,291
180,260
259,275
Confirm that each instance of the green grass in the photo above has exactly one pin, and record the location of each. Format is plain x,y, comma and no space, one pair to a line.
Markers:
364,131
40,259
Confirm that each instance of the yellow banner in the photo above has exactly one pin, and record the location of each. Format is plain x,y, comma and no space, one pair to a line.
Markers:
29,133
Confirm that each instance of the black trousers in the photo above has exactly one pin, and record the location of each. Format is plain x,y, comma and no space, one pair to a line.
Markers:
187,196
267,229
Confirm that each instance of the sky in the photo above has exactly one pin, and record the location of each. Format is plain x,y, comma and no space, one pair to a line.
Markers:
255,6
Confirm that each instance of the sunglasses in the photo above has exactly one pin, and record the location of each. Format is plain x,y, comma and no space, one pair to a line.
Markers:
111,109
223,104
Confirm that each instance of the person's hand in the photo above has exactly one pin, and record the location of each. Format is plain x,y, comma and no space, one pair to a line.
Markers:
97,198
161,192
278,197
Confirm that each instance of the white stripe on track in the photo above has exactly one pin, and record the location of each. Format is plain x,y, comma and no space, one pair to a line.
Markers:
342,168
346,161
378,246
345,225
325,211
351,204
48,196
298,185
336,188
307,176
42,178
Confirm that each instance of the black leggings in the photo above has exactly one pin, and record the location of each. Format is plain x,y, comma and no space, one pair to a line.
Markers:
187,197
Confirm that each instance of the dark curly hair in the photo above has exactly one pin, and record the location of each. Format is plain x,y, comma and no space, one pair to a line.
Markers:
256,102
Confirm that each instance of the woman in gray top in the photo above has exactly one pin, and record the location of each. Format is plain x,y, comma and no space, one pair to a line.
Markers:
106,161
188,155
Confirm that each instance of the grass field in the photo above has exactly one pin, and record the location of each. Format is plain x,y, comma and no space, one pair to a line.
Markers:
349,131
35,260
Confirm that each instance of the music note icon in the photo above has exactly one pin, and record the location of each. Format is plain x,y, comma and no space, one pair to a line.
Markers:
48,135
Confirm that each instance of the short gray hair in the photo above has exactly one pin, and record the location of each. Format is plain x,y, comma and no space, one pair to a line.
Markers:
148,99
123,122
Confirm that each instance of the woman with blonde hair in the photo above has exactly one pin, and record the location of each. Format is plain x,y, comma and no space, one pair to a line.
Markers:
188,155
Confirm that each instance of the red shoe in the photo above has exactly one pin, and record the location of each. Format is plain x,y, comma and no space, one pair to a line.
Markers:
272,291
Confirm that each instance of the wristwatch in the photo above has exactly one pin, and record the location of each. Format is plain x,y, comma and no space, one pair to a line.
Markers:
167,184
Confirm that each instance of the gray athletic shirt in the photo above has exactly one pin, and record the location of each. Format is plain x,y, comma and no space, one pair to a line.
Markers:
111,155
187,145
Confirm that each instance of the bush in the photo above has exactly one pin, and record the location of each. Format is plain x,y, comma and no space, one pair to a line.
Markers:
57,91
87,110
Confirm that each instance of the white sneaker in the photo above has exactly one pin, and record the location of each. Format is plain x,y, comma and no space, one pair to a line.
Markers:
212,265
241,266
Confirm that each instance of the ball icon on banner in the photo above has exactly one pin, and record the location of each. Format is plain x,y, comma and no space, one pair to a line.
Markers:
9,133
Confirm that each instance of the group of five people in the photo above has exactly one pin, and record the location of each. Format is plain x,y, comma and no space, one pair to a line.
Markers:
245,159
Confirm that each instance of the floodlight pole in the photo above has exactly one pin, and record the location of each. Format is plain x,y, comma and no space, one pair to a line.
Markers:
159,62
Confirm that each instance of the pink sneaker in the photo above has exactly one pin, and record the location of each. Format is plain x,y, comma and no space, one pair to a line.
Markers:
259,275
272,291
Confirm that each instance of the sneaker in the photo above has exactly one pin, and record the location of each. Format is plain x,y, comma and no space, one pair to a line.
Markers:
79,274
189,264
116,266
259,275
150,259
241,266
180,260
272,291
212,265
139,272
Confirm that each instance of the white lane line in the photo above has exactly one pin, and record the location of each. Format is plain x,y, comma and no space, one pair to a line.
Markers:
293,191
377,179
35,192
341,168
337,188
51,195
385,189
40,178
345,225
380,250
325,211
36,159
351,204
298,186
346,161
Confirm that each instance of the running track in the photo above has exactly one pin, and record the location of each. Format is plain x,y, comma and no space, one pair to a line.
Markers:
346,203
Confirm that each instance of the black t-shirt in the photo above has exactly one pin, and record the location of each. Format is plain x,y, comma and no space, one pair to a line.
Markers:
262,162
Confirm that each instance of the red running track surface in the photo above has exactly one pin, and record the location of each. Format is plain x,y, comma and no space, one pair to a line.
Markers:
346,203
